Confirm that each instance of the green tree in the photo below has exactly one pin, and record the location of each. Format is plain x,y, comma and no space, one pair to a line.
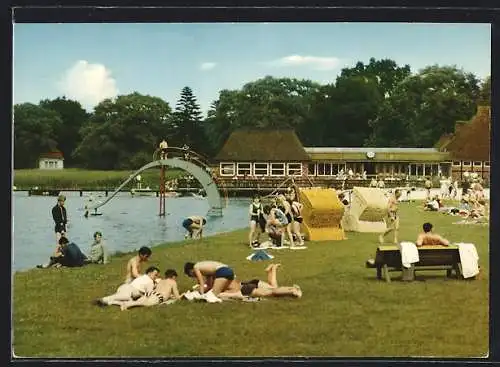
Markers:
341,113
267,102
485,92
124,133
188,121
385,73
425,106
35,131
73,117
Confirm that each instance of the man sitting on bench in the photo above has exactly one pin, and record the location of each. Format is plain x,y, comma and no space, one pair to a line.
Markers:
428,238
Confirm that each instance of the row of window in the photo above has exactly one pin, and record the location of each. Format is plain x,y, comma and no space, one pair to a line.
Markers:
469,164
51,164
260,169
414,169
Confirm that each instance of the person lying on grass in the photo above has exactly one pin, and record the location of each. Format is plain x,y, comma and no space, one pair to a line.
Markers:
216,275
134,264
140,286
428,238
260,288
165,290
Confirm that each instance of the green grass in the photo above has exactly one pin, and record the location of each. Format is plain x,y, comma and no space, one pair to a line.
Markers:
344,311
72,178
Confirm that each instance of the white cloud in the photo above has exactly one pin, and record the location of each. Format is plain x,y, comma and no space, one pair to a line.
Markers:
207,65
88,83
314,62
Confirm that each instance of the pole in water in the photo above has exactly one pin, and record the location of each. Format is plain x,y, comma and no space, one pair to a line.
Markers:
162,191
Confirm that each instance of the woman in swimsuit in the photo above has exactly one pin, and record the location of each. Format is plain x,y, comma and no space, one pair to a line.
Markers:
286,208
297,220
255,212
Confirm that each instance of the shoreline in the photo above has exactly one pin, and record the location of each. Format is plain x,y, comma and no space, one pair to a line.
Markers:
152,246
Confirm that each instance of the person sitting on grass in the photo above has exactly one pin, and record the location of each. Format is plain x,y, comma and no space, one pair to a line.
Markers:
194,226
140,286
259,288
216,275
165,290
276,223
98,254
134,264
433,204
66,254
428,238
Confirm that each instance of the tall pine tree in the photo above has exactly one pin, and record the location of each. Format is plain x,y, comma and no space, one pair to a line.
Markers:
188,120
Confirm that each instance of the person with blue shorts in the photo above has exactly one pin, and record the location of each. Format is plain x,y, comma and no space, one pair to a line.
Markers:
213,277
194,226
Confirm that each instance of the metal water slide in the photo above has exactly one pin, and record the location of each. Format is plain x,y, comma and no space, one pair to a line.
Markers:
198,172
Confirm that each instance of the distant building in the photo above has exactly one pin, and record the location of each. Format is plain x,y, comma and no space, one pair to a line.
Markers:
469,146
276,154
262,153
384,162
51,160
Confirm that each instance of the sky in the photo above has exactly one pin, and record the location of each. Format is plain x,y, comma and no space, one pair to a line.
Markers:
89,62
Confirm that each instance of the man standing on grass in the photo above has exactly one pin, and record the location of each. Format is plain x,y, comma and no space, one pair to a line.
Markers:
60,217
134,264
140,286
392,217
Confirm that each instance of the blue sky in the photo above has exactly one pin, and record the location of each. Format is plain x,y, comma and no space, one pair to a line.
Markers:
89,62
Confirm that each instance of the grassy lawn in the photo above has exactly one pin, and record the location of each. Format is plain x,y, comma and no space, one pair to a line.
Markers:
344,311
78,178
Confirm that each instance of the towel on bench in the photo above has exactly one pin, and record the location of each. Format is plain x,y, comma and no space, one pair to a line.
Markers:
469,259
409,253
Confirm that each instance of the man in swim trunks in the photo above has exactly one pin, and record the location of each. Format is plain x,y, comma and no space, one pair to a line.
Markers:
260,288
134,264
194,225
392,218
165,290
427,238
216,275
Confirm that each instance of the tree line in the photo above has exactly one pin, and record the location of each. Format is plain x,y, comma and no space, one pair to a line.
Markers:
378,104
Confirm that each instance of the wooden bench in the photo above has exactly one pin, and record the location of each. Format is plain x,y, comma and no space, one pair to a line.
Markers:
388,258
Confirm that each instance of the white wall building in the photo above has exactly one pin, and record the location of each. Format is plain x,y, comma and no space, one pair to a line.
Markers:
52,160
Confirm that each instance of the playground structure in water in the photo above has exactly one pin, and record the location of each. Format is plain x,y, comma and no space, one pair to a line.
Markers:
182,158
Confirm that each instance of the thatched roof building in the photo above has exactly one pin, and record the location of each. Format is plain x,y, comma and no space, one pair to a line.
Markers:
249,145
471,140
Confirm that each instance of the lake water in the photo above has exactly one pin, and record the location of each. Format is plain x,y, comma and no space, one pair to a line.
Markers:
127,223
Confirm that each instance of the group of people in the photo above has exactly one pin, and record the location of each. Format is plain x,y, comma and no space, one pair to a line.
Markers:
282,217
215,282
67,253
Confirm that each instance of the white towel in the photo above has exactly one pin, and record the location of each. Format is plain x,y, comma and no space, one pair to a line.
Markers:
469,259
409,253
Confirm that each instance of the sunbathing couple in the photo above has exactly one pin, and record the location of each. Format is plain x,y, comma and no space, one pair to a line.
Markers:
143,290
216,281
